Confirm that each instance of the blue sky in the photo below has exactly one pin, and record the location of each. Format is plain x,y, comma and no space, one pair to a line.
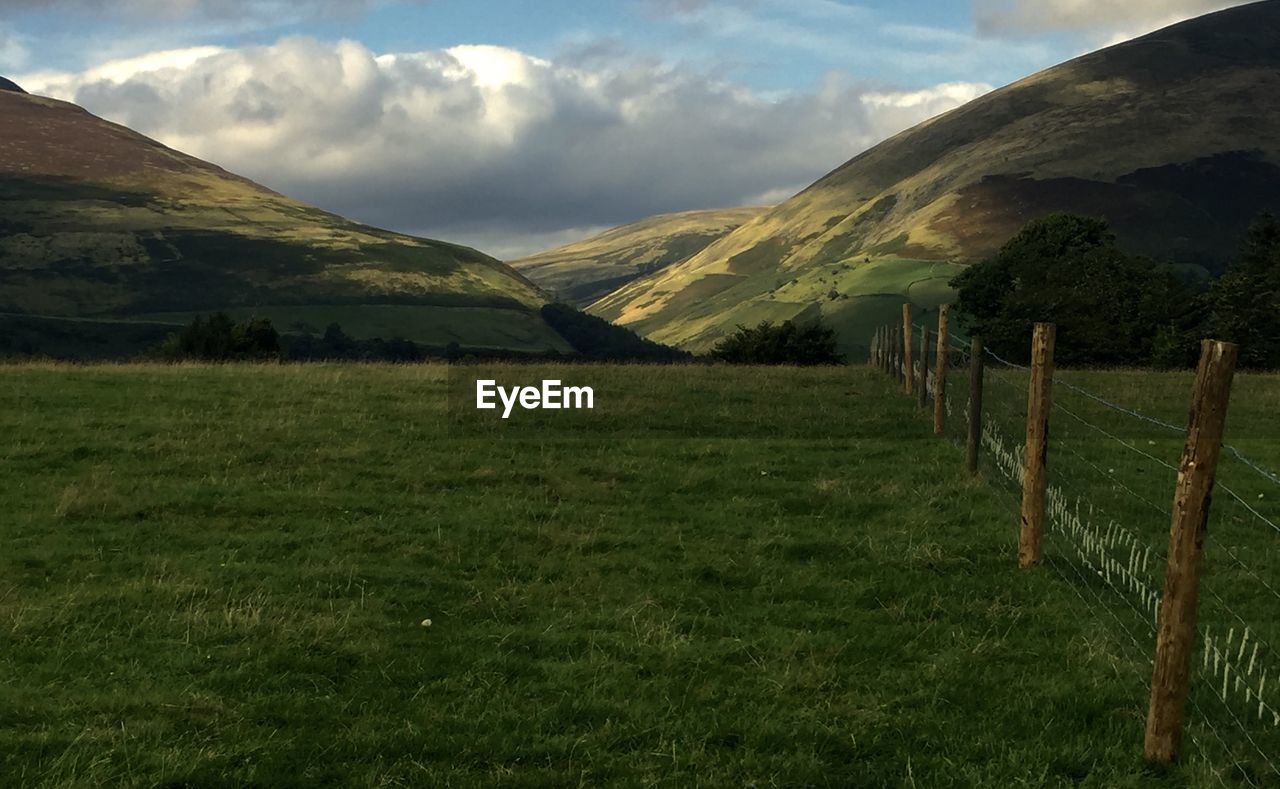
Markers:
766,44
514,126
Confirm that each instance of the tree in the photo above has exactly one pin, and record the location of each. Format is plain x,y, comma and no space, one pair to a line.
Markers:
809,345
256,338
1068,270
220,339
1243,305
336,341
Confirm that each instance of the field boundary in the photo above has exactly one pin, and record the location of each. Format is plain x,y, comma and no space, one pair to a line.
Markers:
1035,438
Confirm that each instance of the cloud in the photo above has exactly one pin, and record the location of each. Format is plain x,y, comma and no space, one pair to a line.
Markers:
159,10
1132,17
489,145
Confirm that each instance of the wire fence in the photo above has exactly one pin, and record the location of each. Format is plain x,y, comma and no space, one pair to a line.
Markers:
1113,461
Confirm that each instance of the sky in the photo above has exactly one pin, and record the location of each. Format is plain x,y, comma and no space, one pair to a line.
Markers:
517,126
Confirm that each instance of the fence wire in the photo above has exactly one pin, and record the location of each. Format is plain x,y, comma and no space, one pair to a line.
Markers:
1112,470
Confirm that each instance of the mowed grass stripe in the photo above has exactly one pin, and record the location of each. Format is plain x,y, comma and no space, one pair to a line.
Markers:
217,575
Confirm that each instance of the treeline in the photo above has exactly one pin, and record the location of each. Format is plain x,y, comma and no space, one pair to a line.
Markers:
219,338
1113,308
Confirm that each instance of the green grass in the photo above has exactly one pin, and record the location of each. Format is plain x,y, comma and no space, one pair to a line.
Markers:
217,576
869,292
1113,474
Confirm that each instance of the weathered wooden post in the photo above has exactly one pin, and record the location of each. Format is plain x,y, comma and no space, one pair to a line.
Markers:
974,442
885,348
909,379
897,354
1191,499
1035,478
940,375
922,377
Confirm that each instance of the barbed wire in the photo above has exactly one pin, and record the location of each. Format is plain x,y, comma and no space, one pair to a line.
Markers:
1117,407
1161,510
960,342
1249,507
1208,723
1238,455
1235,452
1114,438
1245,567
1094,552
1266,759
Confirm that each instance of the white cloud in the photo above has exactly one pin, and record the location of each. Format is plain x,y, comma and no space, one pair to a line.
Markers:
155,10
933,100
62,83
488,145
1120,20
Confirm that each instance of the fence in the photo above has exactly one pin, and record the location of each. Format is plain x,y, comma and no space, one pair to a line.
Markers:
1116,502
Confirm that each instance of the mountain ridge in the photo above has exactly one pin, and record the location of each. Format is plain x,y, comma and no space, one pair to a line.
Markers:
1122,132
102,222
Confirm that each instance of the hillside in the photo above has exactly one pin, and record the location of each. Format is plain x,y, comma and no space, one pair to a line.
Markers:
1171,137
99,223
582,272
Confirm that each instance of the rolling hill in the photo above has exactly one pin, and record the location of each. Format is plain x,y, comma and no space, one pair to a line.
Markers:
1172,137
103,225
582,272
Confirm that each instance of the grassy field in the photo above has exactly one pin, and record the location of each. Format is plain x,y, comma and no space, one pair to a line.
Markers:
1116,439
853,296
220,576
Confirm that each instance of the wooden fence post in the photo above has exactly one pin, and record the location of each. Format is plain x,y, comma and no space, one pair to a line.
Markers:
1191,499
1039,400
897,354
922,379
871,352
886,348
909,381
940,375
974,442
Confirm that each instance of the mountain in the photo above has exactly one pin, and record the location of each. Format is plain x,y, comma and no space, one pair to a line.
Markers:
583,272
105,226
1173,137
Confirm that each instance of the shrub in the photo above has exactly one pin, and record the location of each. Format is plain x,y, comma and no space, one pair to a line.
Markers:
788,343
220,339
